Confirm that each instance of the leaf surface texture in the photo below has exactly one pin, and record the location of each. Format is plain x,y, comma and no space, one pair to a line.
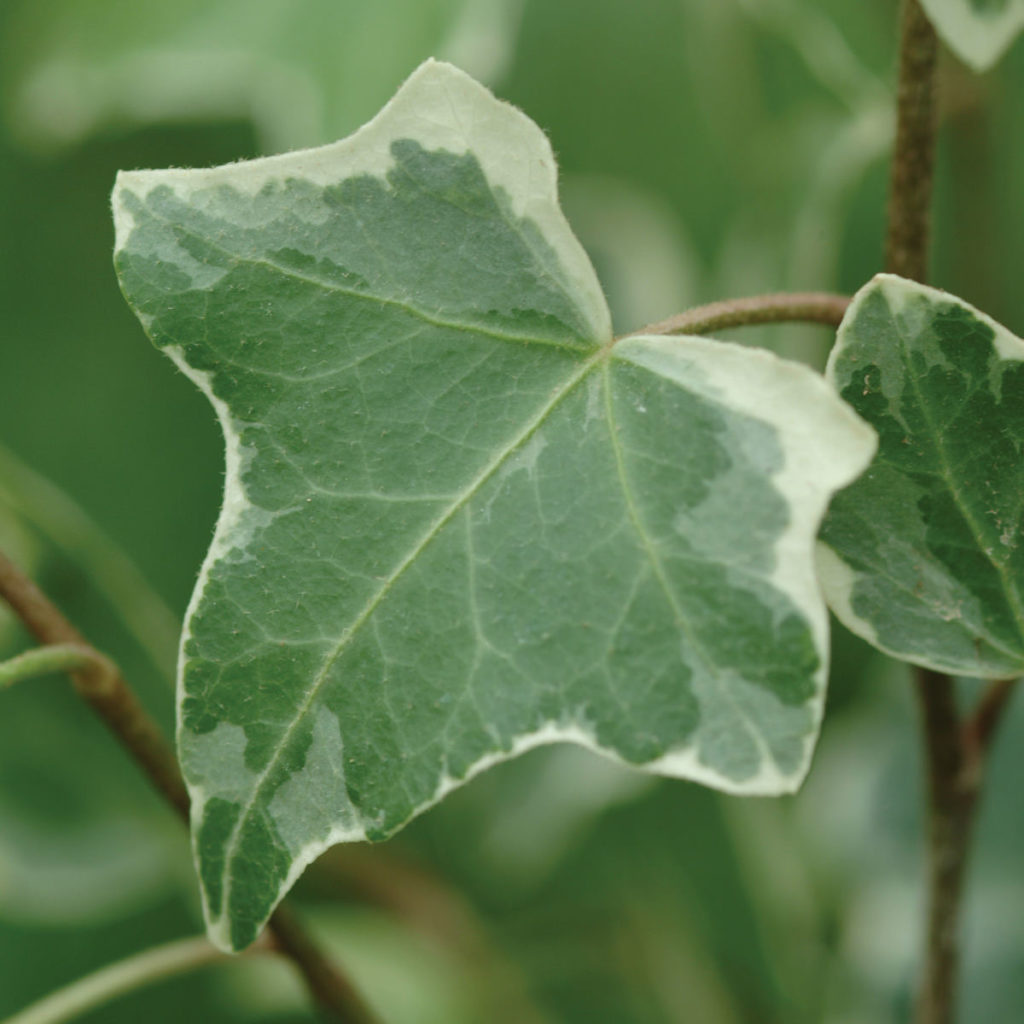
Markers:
459,521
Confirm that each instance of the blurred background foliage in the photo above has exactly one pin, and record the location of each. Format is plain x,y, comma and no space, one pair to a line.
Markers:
707,150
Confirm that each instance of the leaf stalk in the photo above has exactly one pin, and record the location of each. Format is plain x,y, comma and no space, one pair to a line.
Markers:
775,308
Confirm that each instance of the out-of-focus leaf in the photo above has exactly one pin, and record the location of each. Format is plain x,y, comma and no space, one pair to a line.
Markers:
924,556
305,71
459,520
977,31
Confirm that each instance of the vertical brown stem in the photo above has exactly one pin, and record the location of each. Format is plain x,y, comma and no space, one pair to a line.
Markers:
953,778
954,763
913,162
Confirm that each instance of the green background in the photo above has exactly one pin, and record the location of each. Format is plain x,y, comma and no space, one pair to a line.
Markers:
706,150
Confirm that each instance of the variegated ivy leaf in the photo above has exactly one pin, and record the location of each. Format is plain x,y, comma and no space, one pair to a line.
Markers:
923,555
459,520
977,31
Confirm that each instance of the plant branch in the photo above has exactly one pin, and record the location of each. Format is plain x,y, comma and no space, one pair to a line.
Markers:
956,751
41,661
913,161
102,686
953,787
776,308
125,976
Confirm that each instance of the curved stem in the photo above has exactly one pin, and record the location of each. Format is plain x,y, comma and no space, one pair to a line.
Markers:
778,307
125,976
42,661
102,686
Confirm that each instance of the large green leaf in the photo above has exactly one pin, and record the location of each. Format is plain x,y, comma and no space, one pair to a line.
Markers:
459,521
977,31
923,555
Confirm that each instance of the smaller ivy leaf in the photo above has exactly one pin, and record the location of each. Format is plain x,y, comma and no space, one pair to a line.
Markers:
979,32
922,556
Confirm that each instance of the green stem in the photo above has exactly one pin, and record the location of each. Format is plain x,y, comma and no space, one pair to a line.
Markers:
43,661
779,307
118,979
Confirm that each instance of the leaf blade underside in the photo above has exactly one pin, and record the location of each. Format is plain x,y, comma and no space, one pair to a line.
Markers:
922,556
458,520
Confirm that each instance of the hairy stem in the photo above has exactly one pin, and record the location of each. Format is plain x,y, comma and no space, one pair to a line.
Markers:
953,788
913,161
102,686
776,308
954,751
108,983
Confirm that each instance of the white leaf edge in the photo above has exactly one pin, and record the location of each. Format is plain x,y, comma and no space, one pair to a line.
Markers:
837,577
826,447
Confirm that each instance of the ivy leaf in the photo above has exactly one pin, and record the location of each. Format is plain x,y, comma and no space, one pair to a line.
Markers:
978,31
459,520
923,555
